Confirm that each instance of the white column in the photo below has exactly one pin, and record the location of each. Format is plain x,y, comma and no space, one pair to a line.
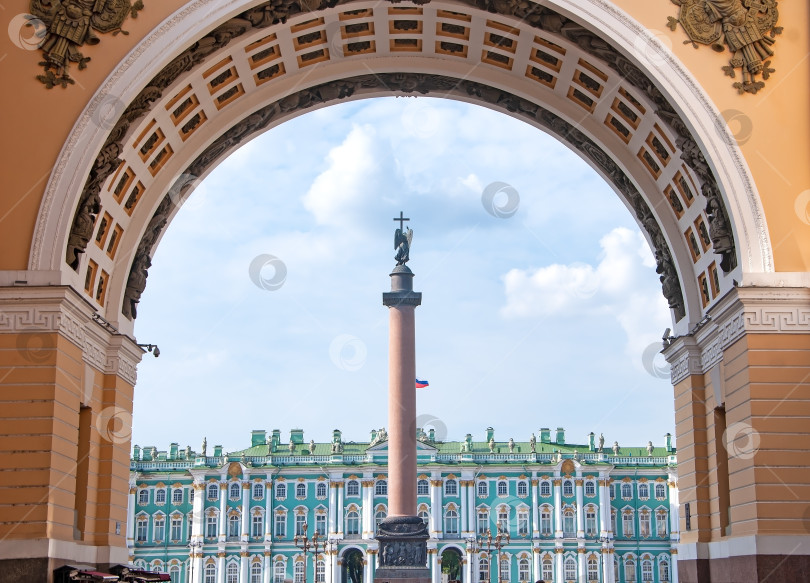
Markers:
473,515
435,566
582,566
367,496
462,506
334,568
674,527
223,509
558,508
246,493
538,568
673,566
435,508
368,566
197,514
558,566
131,518
221,568
333,504
269,495
607,568
267,570
469,567
244,566
580,509
604,507
535,514
339,509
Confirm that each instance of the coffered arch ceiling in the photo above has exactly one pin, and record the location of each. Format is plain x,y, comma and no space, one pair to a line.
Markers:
584,73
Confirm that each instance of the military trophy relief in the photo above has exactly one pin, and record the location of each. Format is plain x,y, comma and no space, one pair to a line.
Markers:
68,25
747,28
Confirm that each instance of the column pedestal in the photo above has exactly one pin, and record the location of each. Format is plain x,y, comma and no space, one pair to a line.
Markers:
403,550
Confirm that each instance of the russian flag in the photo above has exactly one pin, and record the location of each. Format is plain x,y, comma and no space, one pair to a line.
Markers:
421,384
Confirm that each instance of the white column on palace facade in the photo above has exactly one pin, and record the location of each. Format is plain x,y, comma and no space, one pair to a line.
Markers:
537,566
604,507
469,567
611,572
334,568
367,496
535,511
247,491
674,528
131,518
197,514
339,509
580,509
268,510
462,506
223,509
435,508
582,567
333,504
607,570
473,515
244,566
267,569
558,531
558,566
368,566
673,567
221,567
435,566
197,568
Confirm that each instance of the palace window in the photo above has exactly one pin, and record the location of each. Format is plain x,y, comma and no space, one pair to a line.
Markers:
177,496
233,526
422,488
545,521
258,491
451,488
210,573
256,573
379,516
483,568
143,497
320,571
257,526
483,521
211,527
503,520
281,491
612,493
523,523
627,525
352,488
160,496
644,520
213,492
320,524
523,569
663,571
140,530
232,574
522,488
451,522
568,488
660,491
590,521
301,490
299,572
352,522
593,569
483,489
646,570
159,529
191,495
423,514
570,568
643,491
547,569
279,572
627,491
280,527
504,569
545,488
320,490
613,528
381,489
174,573
503,488
590,488
568,523
300,521
629,569
177,528
662,523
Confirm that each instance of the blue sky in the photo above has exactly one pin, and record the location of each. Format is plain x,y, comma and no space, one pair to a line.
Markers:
544,318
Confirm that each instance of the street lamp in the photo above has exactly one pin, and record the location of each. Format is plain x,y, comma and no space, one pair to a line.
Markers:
499,539
194,545
305,543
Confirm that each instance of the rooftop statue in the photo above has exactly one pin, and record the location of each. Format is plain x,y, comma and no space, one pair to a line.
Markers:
402,240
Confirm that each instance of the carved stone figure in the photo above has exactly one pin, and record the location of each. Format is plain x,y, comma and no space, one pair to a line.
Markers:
402,244
292,445
491,445
719,231
204,447
511,445
188,452
650,448
601,442
533,443
311,447
615,448
82,230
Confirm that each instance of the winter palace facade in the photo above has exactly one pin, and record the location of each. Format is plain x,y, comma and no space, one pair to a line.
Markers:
574,513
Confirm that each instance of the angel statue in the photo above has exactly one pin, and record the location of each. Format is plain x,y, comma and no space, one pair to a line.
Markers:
402,244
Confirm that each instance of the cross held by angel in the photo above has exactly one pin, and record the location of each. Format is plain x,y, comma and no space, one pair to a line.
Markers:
402,240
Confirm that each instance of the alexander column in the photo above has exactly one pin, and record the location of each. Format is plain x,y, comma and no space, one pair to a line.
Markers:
402,535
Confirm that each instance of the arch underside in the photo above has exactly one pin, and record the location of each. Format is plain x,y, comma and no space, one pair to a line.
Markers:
667,184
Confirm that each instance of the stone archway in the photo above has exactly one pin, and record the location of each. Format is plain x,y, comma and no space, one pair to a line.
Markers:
207,79
352,566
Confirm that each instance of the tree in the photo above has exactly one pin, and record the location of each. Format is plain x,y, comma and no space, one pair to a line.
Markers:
451,565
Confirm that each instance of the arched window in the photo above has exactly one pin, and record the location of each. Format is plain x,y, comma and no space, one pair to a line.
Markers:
660,491
569,531
379,516
320,490
613,522
210,573
141,527
662,523
422,488
590,488
523,569
299,572
352,522
483,521
451,522
590,521
177,496
256,573
593,569
547,569
233,526
174,573
320,523
646,570
177,527
503,488
451,488
627,524
191,495
663,571
232,574
504,569
160,496
503,519
213,491
483,568
143,497
258,490
300,521
545,488
568,488
320,571
352,488
522,488
627,490
570,569
643,491
483,489
644,520
281,491
545,521
157,567
278,572
381,489
629,569
300,490
423,514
